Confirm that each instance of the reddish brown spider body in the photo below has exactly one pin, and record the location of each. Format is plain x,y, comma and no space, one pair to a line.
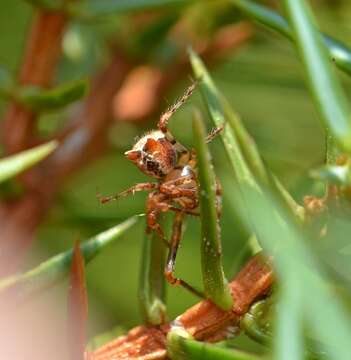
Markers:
159,155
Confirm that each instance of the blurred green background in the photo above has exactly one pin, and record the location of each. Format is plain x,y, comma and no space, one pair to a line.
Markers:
264,83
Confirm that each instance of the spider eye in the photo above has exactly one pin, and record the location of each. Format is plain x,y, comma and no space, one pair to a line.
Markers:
132,154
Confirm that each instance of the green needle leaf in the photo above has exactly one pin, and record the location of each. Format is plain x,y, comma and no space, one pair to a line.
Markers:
328,95
152,280
246,142
299,272
212,100
240,147
52,270
289,344
215,283
181,348
43,100
15,164
338,52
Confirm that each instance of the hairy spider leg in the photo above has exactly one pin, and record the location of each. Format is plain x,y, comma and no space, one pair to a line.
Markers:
191,155
138,187
173,190
163,122
214,133
172,254
155,204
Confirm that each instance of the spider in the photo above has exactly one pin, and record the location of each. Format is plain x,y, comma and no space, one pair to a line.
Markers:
159,155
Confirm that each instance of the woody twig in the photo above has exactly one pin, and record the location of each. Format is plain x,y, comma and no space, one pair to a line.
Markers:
204,321
42,54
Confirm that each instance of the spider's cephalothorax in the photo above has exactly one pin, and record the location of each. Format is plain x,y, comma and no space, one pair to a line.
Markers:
154,154
159,155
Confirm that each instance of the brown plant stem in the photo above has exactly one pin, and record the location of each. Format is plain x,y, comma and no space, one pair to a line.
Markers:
42,53
77,306
204,321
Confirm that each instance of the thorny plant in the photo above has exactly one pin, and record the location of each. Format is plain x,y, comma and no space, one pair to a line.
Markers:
299,242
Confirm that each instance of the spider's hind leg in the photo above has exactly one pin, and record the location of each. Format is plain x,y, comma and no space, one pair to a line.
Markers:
170,264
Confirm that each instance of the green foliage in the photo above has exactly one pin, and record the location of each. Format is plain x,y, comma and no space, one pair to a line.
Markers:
53,99
152,280
299,271
277,134
338,52
215,283
15,164
181,348
272,222
215,107
52,270
328,95
241,149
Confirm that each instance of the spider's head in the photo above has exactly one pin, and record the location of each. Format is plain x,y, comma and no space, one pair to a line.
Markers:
153,154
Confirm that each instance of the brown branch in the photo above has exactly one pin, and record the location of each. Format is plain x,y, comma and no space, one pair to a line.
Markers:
204,321
43,50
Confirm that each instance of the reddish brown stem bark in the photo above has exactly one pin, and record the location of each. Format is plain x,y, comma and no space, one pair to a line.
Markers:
77,306
204,321
38,67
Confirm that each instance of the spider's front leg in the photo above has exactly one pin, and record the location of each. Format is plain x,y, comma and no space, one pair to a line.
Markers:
163,122
138,187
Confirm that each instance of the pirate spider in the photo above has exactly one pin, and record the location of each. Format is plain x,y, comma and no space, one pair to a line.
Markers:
159,155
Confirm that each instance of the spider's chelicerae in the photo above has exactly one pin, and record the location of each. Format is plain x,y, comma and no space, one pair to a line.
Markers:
159,155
